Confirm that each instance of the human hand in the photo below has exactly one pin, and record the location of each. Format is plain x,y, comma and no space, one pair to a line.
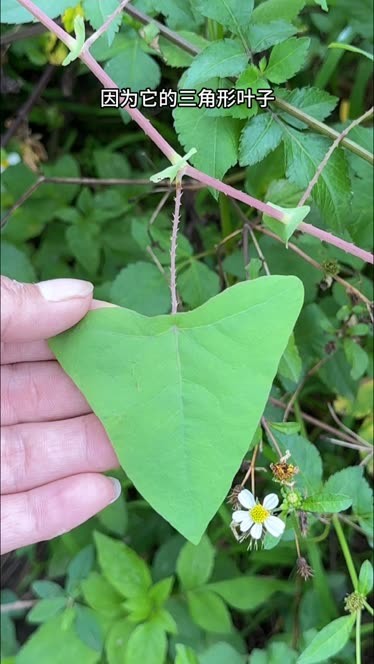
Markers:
53,447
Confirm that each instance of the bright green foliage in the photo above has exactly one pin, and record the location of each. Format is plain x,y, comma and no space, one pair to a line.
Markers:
221,653
174,56
365,580
195,564
46,609
197,283
209,611
329,641
261,135
304,153
272,10
57,644
133,68
263,35
181,386
292,219
101,596
12,12
142,287
146,644
286,59
326,502
313,101
124,570
180,15
222,58
232,14
247,593
97,12
216,139
88,628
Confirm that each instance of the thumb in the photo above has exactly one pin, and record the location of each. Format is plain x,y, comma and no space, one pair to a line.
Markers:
30,312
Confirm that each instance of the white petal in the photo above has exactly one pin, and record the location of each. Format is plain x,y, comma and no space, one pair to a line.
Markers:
246,524
246,498
274,526
13,158
256,531
271,501
239,516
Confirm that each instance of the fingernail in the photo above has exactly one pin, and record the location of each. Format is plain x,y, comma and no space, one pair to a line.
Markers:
58,290
117,488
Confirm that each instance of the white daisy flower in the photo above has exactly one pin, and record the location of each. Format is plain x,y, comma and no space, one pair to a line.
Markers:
256,516
7,160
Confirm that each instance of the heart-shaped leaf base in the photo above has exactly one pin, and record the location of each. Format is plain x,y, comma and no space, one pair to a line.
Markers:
180,396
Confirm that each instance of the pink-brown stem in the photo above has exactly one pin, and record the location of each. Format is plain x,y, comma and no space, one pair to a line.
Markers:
173,248
171,154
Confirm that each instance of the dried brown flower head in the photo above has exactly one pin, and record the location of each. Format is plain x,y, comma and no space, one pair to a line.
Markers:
303,569
284,472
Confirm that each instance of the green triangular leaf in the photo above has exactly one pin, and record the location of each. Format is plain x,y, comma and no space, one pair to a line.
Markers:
292,219
180,396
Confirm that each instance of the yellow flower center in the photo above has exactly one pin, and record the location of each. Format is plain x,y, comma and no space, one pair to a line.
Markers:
259,514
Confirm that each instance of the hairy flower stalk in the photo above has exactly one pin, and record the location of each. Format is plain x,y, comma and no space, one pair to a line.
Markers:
170,153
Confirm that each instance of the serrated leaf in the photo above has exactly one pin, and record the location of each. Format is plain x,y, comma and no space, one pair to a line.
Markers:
261,135
195,563
286,59
350,481
263,35
174,55
197,283
329,641
216,139
221,58
313,101
304,153
98,11
273,10
122,567
326,503
141,287
234,15
215,361
12,12
180,14
209,611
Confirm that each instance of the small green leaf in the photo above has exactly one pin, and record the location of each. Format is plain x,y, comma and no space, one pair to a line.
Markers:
46,609
222,58
329,641
172,172
272,10
261,135
161,591
15,264
195,563
88,628
233,14
97,12
357,358
306,457
326,503
263,35
292,219
47,589
147,644
133,68
313,101
80,37
101,596
290,366
365,579
143,288
286,59
117,639
11,12
79,568
246,593
197,284
209,611
185,655
122,567
353,49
